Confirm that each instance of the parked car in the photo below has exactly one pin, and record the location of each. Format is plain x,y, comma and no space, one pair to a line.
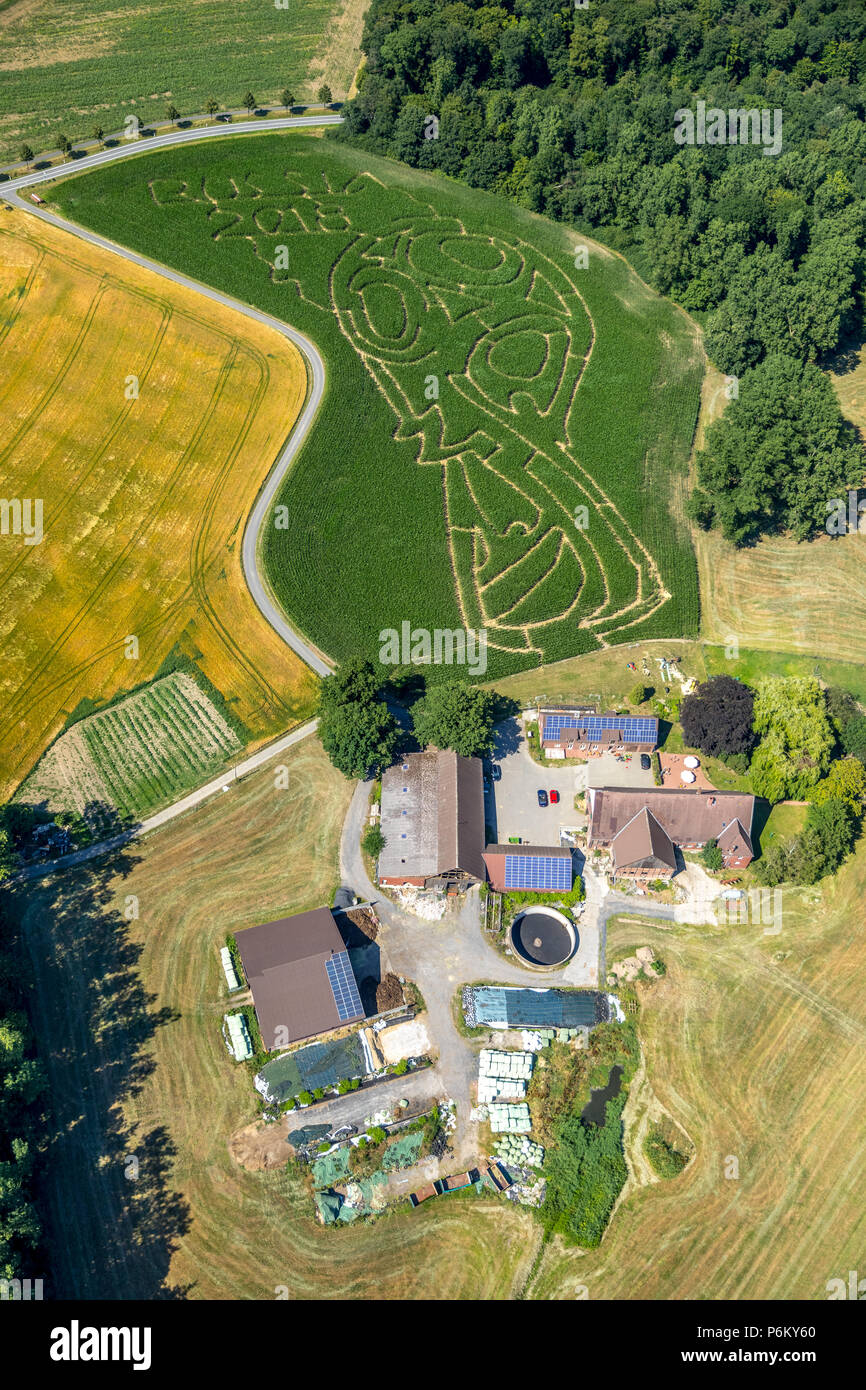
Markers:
542,797
497,772
645,761
554,797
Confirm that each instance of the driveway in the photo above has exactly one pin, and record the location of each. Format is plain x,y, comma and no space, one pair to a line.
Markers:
421,1087
512,800
442,956
611,771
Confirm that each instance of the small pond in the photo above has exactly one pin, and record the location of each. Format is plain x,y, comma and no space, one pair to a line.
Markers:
593,1111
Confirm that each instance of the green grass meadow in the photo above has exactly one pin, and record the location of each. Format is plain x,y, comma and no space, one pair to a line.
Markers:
67,68
483,394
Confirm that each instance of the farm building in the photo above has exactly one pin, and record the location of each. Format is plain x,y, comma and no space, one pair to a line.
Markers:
510,1006
529,868
300,976
580,733
643,829
433,821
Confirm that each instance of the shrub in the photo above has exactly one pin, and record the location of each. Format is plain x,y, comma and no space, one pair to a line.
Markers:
377,1134
305,1098
711,856
586,1171
373,841
737,762
664,1159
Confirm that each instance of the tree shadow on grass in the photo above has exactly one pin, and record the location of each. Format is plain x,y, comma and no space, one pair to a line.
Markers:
112,1219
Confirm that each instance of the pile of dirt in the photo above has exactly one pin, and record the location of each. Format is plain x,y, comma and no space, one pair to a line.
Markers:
633,966
389,994
365,920
259,1147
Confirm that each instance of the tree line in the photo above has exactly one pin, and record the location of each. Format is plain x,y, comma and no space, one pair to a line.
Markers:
572,113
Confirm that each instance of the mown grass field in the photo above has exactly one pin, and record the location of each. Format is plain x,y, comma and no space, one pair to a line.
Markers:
138,1068
501,390
780,594
604,676
755,1045
144,499
66,69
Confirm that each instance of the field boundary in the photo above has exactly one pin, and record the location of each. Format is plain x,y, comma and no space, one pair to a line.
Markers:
259,588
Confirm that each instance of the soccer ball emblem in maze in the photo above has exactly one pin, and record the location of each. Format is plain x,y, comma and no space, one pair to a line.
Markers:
480,344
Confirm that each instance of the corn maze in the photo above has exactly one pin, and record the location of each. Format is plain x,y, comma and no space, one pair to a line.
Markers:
505,437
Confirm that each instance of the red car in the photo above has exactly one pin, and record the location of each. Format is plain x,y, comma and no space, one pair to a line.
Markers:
554,797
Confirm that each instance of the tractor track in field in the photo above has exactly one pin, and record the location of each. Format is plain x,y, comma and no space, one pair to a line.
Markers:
10,193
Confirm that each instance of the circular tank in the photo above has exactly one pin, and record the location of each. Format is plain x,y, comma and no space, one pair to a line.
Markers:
542,937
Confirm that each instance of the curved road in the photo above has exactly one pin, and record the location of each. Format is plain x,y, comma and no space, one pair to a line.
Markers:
11,193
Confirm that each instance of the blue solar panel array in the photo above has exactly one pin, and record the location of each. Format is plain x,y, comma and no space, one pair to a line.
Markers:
343,986
543,873
640,730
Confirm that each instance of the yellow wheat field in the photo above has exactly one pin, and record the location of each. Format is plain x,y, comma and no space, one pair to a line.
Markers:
144,496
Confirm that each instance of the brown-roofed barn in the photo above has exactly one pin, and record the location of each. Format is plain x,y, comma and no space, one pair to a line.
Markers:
301,979
643,828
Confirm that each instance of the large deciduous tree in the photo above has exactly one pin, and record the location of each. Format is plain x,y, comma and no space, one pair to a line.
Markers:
752,473
357,730
717,717
797,738
457,716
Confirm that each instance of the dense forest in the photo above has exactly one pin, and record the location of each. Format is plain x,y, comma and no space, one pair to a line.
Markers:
572,111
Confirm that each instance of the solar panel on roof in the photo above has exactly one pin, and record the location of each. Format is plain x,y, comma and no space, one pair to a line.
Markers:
343,986
634,730
543,873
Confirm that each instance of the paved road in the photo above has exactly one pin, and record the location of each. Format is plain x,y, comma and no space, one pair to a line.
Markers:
155,142
11,193
441,956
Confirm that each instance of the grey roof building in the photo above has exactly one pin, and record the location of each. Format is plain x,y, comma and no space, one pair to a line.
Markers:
433,821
